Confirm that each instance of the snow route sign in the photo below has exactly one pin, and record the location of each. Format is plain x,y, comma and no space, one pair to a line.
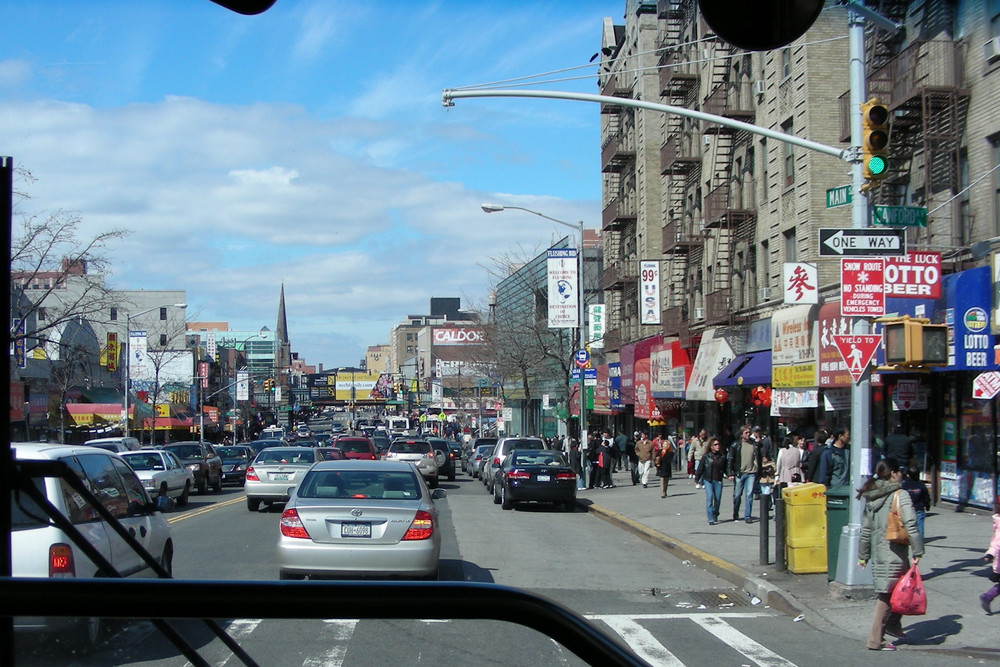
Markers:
863,287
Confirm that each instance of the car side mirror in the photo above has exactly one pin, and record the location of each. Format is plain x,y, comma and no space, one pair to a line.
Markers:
291,491
438,494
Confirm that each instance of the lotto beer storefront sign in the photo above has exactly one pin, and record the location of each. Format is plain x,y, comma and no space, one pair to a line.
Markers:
915,275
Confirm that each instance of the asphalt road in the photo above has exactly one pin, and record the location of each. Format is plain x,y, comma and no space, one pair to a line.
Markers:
669,611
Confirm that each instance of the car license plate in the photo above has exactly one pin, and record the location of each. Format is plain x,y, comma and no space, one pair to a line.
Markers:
280,476
544,478
355,530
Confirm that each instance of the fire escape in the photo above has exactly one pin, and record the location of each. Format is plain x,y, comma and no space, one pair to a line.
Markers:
680,164
729,224
619,215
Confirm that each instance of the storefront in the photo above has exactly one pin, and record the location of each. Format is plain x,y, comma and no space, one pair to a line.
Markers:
794,368
747,380
670,372
714,353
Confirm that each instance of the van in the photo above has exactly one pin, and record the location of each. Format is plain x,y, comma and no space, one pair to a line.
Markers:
115,444
40,549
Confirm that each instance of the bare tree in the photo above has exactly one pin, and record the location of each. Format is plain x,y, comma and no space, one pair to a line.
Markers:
165,358
73,368
56,274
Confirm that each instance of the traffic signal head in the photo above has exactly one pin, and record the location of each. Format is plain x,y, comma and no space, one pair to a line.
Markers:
915,342
874,140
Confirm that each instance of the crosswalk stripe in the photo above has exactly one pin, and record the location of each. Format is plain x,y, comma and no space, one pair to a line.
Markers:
745,645
642,641
334,656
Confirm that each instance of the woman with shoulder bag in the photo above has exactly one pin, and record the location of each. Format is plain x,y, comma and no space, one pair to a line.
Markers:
889,560
663,461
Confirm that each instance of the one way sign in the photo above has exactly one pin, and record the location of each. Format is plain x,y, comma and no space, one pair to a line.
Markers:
862,242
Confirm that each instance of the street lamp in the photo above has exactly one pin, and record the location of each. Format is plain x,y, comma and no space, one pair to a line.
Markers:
128,354
581,304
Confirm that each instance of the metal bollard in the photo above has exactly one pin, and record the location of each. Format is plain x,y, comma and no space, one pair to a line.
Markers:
765,525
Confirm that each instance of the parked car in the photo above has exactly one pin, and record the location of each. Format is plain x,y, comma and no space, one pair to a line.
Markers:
500,452
40,549
533,475
274,471
360,519
117,445
235,461
202,460
475,459
482,468
161,473
418,452
446,460
356,447
470,452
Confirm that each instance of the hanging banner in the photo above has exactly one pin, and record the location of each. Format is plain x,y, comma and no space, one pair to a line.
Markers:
562,286
649,293
112,352
243,385
596,326
139,367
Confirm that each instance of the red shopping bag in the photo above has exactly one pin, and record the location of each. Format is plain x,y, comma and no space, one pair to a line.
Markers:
908,597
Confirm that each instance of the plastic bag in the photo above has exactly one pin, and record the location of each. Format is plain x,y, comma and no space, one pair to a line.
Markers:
909,597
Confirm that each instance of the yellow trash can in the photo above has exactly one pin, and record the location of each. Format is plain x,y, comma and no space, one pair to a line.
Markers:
805,528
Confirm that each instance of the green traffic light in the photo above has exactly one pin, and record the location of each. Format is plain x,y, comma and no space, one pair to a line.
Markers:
876,165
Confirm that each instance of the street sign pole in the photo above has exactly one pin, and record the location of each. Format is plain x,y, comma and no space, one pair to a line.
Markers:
849,574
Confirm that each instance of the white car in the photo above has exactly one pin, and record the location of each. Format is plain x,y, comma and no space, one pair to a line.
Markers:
40,549
161,473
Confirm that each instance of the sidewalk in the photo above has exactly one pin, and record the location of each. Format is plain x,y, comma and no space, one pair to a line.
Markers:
953,568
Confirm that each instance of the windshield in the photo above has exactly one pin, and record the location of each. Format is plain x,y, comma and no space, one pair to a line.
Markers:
285,456
233,453
359,484
186,451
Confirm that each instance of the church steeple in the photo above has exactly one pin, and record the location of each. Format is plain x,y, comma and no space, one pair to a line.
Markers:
284,347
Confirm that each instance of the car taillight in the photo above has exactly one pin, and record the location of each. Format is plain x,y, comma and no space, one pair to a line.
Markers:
496,461
61,561
422,527
252,475
291,525
430,455
565,475
518,474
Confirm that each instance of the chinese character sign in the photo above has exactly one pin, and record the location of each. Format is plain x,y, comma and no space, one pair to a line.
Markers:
596,326
801,281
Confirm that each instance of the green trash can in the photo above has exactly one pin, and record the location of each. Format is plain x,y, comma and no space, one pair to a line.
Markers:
838,515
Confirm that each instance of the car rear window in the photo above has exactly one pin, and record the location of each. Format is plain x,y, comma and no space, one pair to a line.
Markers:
537,458
147,461
354,446
285,456
523,443
410,447
232,452
359,484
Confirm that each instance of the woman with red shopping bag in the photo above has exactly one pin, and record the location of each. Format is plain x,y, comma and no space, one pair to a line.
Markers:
889,560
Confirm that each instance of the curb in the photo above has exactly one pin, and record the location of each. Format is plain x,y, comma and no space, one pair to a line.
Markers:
773,596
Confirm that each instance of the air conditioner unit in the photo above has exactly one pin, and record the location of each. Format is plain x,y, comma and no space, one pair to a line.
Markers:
765,293
679,237
991,50
759,87
699,313
707,140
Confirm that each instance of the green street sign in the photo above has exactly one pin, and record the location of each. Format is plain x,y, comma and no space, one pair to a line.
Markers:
838,196
899,216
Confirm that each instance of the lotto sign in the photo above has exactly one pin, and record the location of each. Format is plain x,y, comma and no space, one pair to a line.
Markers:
863,287
915,275
858,352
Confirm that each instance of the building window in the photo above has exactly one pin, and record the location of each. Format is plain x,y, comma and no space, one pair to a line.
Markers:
786,62
163,313
993,7
163,340
42,314
995,140
787,128
114,314
791,254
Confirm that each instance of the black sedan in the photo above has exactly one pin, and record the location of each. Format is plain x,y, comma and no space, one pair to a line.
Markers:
535,475
235,459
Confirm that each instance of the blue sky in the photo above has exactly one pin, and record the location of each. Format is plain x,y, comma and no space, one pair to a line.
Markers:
307,145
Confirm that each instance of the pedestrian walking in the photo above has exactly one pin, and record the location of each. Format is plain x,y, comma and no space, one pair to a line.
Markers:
743,460
993,556
819,446
663,460
631,459
919,495
644,455
789,461
889,560
699,445
605,460
711,471
835,462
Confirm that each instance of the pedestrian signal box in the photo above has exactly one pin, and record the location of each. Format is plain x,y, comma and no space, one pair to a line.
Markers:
914,341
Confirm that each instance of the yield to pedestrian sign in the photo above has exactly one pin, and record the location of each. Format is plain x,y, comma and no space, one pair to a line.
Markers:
858,352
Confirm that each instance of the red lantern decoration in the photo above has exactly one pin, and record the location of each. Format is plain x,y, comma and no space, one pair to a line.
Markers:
721,395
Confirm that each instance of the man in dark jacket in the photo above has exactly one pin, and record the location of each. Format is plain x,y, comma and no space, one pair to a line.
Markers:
743,462
819,445
835,463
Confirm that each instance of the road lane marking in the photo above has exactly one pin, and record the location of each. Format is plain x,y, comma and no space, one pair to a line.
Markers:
740,642
343,630
642,641
205,510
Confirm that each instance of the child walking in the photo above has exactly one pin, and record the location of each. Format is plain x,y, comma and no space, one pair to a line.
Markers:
993,556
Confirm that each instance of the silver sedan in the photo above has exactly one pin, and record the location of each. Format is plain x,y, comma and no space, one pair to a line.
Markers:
360,519
274,471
